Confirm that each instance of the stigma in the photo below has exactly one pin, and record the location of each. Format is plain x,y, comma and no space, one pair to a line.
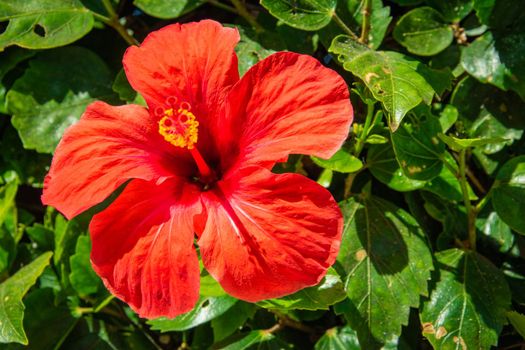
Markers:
178,124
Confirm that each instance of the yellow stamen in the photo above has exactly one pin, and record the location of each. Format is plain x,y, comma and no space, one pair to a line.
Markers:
179,127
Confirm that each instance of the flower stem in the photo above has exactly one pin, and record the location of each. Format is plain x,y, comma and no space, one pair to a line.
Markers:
365,28
471,211
343,26
244,13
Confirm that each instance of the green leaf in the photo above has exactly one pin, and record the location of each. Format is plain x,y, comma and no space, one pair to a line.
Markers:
122,87
206,310
249,50
66,233
167,9
30,166
232,320
342,338
209,287
418,148
7,250
392,77
423,31
515,276
42,24
328,292
407,2
467,307
342,161
42,114
499,14
452,10
486,112
518,322
12,291
42,236
497,59
452,216
457,144
388,263
381,160
508,195
259,339
302,14
45,322
495,231
446,184
82,277
325,179
447,117
7,198
10,59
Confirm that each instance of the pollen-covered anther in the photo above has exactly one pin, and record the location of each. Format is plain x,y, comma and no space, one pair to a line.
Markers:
179,126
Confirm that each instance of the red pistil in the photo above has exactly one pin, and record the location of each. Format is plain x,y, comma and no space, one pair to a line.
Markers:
207,174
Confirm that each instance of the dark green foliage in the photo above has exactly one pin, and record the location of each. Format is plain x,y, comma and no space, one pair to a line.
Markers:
431,180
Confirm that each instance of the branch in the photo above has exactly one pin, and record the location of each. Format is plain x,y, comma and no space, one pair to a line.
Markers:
244,13
365,28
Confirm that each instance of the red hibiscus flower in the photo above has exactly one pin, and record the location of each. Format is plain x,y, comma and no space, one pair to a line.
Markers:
198,162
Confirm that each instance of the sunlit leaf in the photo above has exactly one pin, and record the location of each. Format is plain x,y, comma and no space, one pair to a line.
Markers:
509,193
12,291
42,24
423,31
207,309
302,14
392,78
388,263
42,114
467,307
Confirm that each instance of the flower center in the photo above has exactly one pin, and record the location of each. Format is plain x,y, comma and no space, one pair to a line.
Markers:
178,125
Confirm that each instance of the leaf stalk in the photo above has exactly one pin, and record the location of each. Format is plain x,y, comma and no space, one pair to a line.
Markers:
343,26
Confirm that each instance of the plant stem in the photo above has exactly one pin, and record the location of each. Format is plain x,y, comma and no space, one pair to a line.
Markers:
343,26
124,33
360,142
223,6
471,211
244,13
275,328
365,27
481,204
109,8
62,339
285,321
113,22
103,303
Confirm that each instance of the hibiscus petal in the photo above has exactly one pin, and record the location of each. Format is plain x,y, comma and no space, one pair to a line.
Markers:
268,235
194,62
143,247
108,146
288,103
